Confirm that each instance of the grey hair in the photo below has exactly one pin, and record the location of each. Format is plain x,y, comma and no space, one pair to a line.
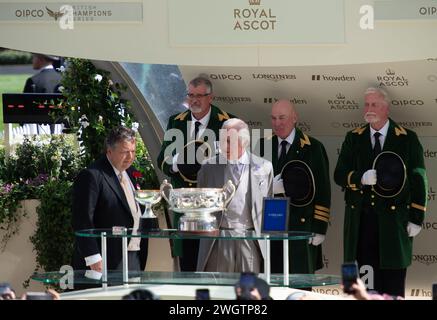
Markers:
202,80
241,127
117,135
379,91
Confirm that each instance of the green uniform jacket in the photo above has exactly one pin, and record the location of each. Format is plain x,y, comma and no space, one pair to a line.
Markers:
305,258
395,246
180,121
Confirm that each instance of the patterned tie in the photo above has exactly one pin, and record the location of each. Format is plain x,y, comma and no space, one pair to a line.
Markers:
283,154
134,243
377,148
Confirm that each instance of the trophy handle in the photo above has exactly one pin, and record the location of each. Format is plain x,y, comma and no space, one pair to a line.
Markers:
165,185
228,185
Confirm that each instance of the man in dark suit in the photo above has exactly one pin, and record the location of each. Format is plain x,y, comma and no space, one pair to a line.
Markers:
379,228
200,121
47,80
290,143
103,197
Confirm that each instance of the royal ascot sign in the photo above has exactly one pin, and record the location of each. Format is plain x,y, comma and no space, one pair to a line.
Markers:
406,10
237,22
79,12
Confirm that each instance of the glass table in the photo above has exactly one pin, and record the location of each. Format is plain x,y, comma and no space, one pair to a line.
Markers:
126,277
185,278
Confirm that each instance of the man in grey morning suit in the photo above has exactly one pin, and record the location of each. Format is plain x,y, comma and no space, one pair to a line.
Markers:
253,178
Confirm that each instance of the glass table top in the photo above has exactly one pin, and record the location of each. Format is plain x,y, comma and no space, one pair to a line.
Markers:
175,234
187,278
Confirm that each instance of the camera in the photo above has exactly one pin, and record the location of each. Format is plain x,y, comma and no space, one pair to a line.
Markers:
202,294
349,276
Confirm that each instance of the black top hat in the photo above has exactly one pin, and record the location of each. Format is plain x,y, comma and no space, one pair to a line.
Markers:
298,182
390,174
188,163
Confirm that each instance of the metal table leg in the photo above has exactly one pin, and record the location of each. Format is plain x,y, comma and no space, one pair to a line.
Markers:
267,260
286,266
125,258
104,262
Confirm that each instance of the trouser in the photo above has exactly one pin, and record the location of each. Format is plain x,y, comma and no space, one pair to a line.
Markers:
235,256
190,251
389,281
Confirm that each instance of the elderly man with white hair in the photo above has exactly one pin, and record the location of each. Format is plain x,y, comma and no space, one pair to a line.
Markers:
253,178
384,208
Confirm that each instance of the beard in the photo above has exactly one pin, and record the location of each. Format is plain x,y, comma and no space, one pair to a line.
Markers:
195,109
371,117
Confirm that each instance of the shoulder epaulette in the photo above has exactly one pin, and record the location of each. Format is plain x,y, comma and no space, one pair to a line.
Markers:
223,116
359,130
181,116
305,140
400,130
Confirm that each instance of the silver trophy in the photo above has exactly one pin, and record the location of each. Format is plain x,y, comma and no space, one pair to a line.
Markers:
148,198
197,204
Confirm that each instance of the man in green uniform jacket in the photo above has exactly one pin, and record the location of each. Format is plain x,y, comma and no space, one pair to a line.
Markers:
201,120
379,230
305,257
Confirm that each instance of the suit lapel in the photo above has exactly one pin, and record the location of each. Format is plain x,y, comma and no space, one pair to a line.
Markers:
391,140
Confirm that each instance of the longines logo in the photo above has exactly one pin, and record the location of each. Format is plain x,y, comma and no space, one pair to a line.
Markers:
391,79
292,100
254,18
341,103
426,259
232,100
415,124
273,76
407,103
429,154
333,78
214,76
347,125
420,293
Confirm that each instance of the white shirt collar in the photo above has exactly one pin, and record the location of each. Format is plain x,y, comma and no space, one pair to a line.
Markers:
382,131
290,137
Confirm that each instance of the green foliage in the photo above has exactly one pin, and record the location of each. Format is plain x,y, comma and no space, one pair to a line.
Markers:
25,175
15,57
143,163
54,236
93,106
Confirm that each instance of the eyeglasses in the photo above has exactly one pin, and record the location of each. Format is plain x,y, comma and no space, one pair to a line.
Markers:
197,96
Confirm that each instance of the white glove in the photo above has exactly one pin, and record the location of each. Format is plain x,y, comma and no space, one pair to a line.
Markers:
174,166
413,229
369,178
278,185
317,239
